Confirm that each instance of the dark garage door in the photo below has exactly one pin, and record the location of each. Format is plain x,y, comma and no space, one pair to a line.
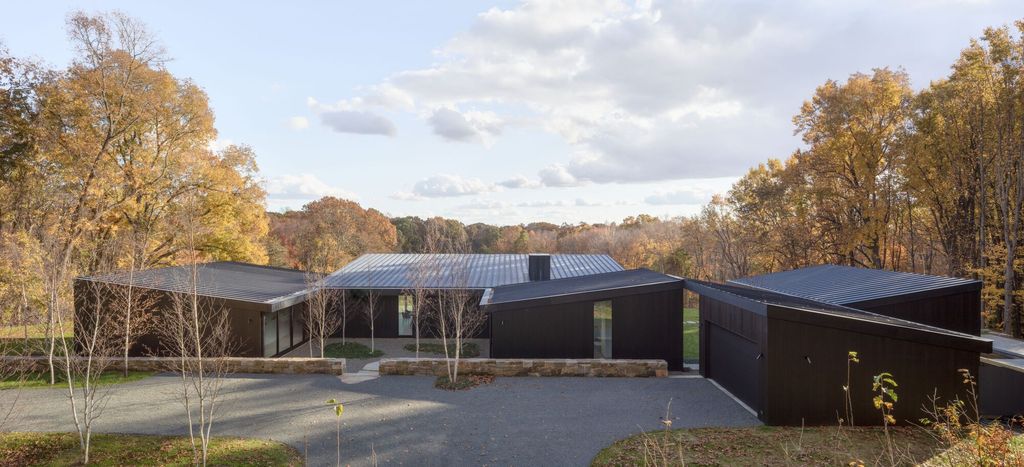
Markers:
733,363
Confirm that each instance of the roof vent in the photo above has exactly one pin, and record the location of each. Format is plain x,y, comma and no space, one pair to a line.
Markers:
540,267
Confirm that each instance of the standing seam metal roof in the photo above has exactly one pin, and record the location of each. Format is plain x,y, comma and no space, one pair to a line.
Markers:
799,303
226,280
577,285
845,285
470,271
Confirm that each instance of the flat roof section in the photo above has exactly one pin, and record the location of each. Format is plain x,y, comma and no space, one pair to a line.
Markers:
847,285
406,271
277,287
578,288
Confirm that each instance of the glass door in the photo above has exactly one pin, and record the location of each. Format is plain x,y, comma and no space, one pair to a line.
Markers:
603,329
269,334
405,310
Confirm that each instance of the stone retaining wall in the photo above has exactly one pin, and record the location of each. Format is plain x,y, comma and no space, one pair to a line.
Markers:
528,367
330,366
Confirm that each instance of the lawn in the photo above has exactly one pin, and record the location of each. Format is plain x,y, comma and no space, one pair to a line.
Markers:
691,335
114,449
469,349
350,350
42,379
767,446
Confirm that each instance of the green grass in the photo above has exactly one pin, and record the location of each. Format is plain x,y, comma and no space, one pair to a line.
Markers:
32,346
350,350
766,446
691,335
469,349
42,379
52,449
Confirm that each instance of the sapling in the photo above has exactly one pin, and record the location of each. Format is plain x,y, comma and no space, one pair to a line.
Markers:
339,408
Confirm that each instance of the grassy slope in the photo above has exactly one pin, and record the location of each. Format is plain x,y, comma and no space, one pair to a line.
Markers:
765,446
114,449
691,335
42,379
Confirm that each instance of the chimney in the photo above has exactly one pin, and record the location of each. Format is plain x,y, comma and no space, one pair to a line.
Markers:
540,267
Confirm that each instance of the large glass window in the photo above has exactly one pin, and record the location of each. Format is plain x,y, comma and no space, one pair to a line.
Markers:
603,329
269,334
297,326
284,330
405,310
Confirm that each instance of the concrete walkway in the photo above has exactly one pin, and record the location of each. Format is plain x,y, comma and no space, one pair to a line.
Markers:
406,421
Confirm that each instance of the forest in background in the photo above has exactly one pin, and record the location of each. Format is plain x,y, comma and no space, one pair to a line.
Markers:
103,162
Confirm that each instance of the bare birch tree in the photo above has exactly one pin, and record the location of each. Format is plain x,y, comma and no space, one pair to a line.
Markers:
83,362
196,332
323,317
456,314
371,311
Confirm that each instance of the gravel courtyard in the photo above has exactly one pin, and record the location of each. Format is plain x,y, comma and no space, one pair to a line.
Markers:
514,421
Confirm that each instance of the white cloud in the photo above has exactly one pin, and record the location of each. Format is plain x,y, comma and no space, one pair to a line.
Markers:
297,189
558,176
661,90
473,126
359,122
445,185
681,196
519,181
298,123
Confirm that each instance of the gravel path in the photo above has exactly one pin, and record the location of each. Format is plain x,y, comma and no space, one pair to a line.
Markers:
514,421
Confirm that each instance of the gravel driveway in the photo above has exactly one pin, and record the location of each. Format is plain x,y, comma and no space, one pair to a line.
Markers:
514,421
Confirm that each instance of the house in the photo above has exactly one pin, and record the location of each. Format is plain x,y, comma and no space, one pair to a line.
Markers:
394,276
787,356
265,304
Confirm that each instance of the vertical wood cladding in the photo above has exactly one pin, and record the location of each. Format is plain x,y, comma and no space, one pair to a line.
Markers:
731,340
244,320
956,312
807,364
644,325
546,331
1001,390
649,325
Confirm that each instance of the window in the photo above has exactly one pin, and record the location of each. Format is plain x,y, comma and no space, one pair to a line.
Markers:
284,330
269,334
405,310
603,329
297,326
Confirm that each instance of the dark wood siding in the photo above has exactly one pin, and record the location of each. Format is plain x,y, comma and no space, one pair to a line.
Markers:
644,326
549,331
957,312
1001,391
731,339
386,325
648,325
244,320
807,364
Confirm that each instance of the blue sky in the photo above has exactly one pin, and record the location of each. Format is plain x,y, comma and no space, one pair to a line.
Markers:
514,112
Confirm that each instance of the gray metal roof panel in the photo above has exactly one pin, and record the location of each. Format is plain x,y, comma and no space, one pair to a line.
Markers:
226,280
472,271
845,285
576,285
799,303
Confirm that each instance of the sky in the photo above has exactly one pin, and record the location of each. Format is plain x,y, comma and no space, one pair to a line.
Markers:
515,112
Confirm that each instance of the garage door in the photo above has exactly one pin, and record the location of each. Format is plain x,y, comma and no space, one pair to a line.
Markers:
732,362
